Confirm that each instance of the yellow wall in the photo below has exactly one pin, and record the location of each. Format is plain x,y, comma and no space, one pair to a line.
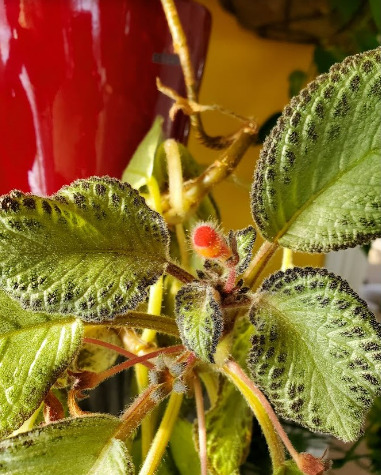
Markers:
249,76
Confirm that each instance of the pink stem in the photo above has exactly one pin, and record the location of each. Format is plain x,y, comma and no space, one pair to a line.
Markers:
201,426
110,346
140,359
235,368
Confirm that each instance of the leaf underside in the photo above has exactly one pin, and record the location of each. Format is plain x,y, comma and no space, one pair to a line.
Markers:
317,351
82,446
90,250
199,319
34,349
317,186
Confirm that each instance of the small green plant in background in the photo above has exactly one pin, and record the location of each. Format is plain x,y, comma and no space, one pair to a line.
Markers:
142,269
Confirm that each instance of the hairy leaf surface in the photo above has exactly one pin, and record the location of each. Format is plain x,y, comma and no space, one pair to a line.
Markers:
229,421
245,243
34,349
318,183
317,351
199,318
91,250
85,445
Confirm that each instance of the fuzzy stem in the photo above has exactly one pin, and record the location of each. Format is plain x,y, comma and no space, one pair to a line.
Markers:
163,434
175,176
142,406
287,259
180,46
159,323
201,425
143,359
112,347
265,253
261,409
181,274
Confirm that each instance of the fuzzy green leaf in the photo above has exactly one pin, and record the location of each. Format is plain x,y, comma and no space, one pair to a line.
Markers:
229,421
141,166
34,349
82,446
91,250
318,182
245,243
199,317
317,351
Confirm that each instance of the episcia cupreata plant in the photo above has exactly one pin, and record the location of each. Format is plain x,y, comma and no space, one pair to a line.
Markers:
76,268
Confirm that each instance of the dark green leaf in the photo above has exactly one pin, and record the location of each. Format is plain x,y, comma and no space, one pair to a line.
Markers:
141,166
199,317
317,351
228,423
34,349
91,250
318,184
80,446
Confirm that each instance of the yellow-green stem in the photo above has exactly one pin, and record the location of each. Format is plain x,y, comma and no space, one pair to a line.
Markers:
149,336
265,253
287,262
159,323
163,434
241,381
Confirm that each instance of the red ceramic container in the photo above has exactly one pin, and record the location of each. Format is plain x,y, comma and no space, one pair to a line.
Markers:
77,85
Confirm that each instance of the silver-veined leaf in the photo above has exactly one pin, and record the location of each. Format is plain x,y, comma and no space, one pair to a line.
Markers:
91,250
85,445
317,186
199,317
316,351
35,348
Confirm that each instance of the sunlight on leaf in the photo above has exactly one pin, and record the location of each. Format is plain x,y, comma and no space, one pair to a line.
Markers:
34,349
91,250
318,182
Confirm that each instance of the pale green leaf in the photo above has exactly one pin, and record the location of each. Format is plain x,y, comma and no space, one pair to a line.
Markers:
229,422
141,166
81,446
34,349
91,250
182,447
317,351
245,243
199,317
318,183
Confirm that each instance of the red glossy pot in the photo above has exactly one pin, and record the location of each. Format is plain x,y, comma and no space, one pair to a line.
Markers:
77,85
